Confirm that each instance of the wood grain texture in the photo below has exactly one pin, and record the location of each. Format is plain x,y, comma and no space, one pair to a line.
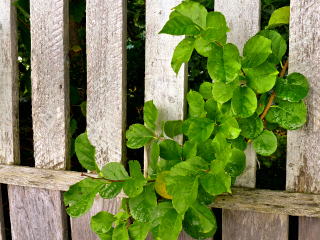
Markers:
9,89
248,225
81,226
303,154
33,214
167,90
106,66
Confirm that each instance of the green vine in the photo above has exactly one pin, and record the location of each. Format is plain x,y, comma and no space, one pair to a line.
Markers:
222,118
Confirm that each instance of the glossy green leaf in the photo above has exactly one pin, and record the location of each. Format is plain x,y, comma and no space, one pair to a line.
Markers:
142,205
154,155
132,187
114,171
256,50
206,90
186,125
173,128
239,143
204,197
76,10
200,129
196,104
244,102
224,63
102,222
199,222
170,150
106,236
123,216
85,152
120,232
195,11
138,230
150,114
181,25
109,191
262,103
227,110
216,181
206,151
229,127
170,225
279,17
223,92
265,144
189,150
213,111
138,135
216,27
289,115
24,7
293,89
204,47
73,126
262,78
135,170
191,166
237,163
182,53
222,149
271,126
166,165
278,45
80,196
157,215
251,127
83,107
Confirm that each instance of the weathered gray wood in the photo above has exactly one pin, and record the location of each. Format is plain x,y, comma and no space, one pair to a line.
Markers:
303,152
50,112
81,226
243,18
9,90
106,101
167,90
252,226
32,214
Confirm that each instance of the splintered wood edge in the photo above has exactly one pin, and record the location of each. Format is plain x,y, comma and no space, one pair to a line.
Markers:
245,199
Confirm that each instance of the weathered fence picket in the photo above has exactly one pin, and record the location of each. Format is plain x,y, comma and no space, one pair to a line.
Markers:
303,153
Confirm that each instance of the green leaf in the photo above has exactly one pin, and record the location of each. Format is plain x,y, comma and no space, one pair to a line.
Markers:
262,103
182,53
170,225
278,45
114,171
186,125
154,155
206,90
106,236
157,215
74,95
173,128
109,191
83,107
204,197
199,222
224,63
123,216
239,143
265,144
213,112
26,39
204,47
244,102
138,135
80,196
170,150
181,25
227,110
102,222
279,17
216,27
85,152
135,170
289,115
24,7
216,181
132,187
251,127
120,232
76,10
229,127
206,151
271,126
142,205
196,104
262,78
193,10
222,149
189,167
200,129
223,92
73,126
138,230
166,165
237,163
189,150
256,50
150,114
293,89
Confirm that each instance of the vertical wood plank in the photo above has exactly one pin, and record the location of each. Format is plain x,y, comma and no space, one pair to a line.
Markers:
303,154
243,18
50,112
167,90
106,96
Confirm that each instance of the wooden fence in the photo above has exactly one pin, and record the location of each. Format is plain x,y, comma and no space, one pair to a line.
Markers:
35,194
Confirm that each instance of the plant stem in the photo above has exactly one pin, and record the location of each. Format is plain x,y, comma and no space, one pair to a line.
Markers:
274,92
24,23
109,180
